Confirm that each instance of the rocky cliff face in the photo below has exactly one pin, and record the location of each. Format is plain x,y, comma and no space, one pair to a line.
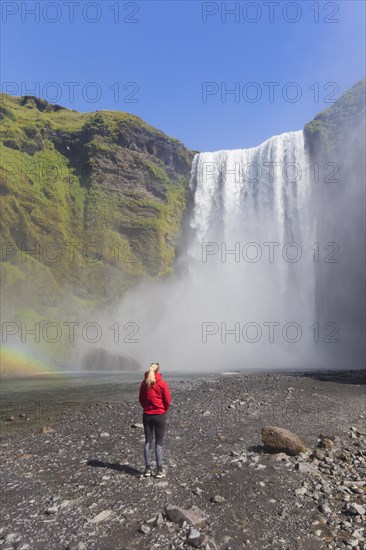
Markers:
92,203
325,134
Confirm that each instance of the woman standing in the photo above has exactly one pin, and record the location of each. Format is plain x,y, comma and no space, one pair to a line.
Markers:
155,399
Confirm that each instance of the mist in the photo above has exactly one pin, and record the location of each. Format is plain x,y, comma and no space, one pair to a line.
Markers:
243,292
271,274
339,206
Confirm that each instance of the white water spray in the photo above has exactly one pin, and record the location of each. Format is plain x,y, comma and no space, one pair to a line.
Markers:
246,299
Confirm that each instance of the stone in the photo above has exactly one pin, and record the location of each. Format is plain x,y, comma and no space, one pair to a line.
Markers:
356,509
217,498
281,440
209,543
101,516
137,425
326,442
352,542
324,508
145,529
345,455
64,504
12,537
47,430
162,484
25,456
194,537
318,454
104,434
356,490
278,457
159,521
305,468
51,510
192,515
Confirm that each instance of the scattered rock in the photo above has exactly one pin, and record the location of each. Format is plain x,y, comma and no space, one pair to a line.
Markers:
92,473
318,454
51,510
352,542
47,430
278,457
326,442
159,521
12,537
101,516
355,509
193,515
217,498
305,468
324,508
194,537
26,456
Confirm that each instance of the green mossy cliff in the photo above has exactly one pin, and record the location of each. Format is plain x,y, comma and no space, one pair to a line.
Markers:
324,135
98,196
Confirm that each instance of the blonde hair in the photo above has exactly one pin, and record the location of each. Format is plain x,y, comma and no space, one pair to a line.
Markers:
150,379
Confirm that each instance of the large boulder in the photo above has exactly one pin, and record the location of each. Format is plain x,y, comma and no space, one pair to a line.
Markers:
278,440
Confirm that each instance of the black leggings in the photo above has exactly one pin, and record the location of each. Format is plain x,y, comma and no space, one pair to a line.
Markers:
154,423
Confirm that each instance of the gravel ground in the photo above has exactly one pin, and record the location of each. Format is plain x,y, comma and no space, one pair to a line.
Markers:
78,484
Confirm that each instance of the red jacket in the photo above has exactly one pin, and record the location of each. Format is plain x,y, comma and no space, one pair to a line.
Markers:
155,400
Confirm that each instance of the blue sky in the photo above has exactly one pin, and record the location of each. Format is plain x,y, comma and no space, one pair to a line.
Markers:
161,54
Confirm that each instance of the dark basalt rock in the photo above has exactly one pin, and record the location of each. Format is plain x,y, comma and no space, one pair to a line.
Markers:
102,360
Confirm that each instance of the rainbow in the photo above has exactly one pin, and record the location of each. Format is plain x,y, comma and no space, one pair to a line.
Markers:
13,363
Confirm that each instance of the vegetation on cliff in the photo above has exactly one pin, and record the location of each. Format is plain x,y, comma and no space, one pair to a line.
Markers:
325,132
91,203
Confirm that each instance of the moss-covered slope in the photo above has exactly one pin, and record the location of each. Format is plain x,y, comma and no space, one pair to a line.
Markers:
325,132
98,196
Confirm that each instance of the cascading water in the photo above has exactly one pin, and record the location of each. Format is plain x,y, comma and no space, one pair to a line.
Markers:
252,207
239,190
248,286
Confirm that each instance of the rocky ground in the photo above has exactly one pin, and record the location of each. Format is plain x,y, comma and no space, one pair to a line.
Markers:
77,483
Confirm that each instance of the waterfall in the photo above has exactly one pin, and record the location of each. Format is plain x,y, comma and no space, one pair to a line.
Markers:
248,280
261,196
238,191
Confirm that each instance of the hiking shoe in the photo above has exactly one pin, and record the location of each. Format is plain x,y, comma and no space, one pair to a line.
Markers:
148,472
160,472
